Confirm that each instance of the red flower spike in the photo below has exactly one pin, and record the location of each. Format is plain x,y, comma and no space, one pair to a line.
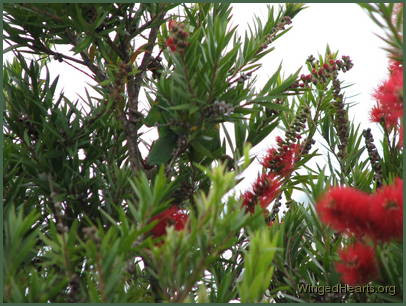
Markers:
269,192
386,212
172,24
249,201
378,216
345,209
172,216
326,66
170,42
177,41
270,156
281,161
389,98
377,115
358,265
264,191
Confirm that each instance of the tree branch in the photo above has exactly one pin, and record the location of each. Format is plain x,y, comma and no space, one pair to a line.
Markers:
133,89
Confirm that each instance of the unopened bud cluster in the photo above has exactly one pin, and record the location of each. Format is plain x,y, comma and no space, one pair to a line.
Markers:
29,125
298,125
289,203
280,26
324,73
275,208
340,119
185,191
341,124
274,112
218,108
178,39
243,77
321,73
155,66
308,145
374,157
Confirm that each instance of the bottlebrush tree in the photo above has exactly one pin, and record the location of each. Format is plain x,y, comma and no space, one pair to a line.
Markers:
96,211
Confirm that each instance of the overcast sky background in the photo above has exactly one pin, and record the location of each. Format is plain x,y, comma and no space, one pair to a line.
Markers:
345,27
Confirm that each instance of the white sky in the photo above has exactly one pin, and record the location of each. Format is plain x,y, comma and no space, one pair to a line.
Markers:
345,27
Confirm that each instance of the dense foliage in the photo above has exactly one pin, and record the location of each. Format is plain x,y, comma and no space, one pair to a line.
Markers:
95,211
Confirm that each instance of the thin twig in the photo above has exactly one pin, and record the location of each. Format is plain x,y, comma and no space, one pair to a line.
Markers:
90,76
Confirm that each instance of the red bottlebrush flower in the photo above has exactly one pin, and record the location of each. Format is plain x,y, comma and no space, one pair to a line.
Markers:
281,161
377,115
389,97
269,157
170,42
177,41
358,265
172,216
270,187
345,209
264,191
386,212
379,215
326,66
172,24
332,62
249,201
279,140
